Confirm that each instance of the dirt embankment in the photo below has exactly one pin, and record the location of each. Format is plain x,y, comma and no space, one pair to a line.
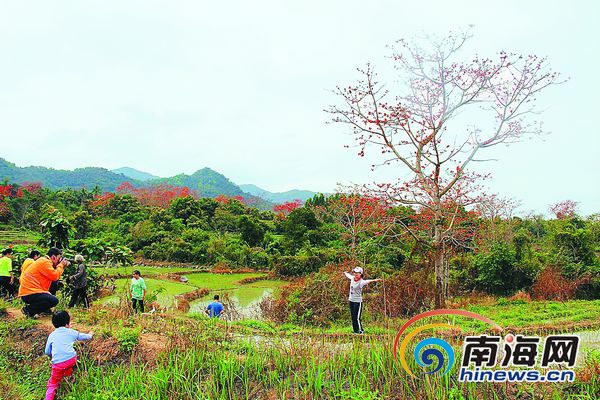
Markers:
182,301
102,349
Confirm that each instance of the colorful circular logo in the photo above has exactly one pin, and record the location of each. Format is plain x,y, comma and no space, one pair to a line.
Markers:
432,354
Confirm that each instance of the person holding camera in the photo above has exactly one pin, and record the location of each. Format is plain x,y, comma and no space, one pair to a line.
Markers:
35,283
79,284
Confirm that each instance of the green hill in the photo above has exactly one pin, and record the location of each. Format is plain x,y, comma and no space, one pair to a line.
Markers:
134,174
207,182
88,177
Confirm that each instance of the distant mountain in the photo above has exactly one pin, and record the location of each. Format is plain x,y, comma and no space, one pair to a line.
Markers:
210,183
134,174
206,182
277,197
56,179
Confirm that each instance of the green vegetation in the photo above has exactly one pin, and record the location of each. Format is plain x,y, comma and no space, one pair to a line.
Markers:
144,270
164,290
200,357
10,236
128,339
547,270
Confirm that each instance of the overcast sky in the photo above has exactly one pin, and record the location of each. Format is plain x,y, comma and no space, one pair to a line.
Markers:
240,86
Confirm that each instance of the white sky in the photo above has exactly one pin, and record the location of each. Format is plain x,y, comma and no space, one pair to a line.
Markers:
240,86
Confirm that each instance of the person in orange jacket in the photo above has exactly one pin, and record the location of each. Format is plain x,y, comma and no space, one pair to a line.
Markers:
34,255
35,283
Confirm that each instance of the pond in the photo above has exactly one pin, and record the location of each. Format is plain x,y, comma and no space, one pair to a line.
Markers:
244,297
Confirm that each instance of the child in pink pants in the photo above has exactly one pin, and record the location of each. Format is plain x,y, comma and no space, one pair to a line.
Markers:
60,347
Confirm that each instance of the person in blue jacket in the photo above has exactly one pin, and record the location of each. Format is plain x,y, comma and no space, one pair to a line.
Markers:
214,309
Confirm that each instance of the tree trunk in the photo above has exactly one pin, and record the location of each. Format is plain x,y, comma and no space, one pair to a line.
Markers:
440,294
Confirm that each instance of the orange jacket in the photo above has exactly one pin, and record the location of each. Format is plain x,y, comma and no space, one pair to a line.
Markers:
38,276
26,264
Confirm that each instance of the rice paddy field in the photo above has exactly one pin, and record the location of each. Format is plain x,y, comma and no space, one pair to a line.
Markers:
160,281
10,236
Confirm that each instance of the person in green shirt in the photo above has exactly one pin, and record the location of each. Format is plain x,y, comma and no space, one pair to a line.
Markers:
7,279
137,291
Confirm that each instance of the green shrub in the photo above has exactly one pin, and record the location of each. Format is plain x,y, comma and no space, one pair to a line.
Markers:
127,339
298,265
498,272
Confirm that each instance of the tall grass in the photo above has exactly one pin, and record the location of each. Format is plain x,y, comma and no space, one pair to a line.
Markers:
202,360
243,370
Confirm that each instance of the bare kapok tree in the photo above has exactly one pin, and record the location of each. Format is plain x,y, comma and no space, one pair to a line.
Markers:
436,121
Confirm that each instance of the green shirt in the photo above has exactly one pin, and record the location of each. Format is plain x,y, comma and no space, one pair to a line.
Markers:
137,288
5,266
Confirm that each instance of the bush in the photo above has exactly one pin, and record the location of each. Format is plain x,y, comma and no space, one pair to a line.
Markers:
127,339
552,285
401,296
498,272
298,265
318,299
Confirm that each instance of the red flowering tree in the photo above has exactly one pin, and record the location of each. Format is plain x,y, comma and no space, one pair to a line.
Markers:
156,196
101,203
29,187
223,199
287,207
564,209
438,120
16,200
27,197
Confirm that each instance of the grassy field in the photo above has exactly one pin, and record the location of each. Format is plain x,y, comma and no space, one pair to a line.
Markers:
543,315
171,357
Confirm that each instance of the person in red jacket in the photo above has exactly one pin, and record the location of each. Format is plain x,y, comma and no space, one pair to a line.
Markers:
35,283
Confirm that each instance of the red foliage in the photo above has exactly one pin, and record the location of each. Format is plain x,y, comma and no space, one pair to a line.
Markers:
157,196
564,209
287,207
6,191
101,201
126,188
161,195
226,199
240,199
31,187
